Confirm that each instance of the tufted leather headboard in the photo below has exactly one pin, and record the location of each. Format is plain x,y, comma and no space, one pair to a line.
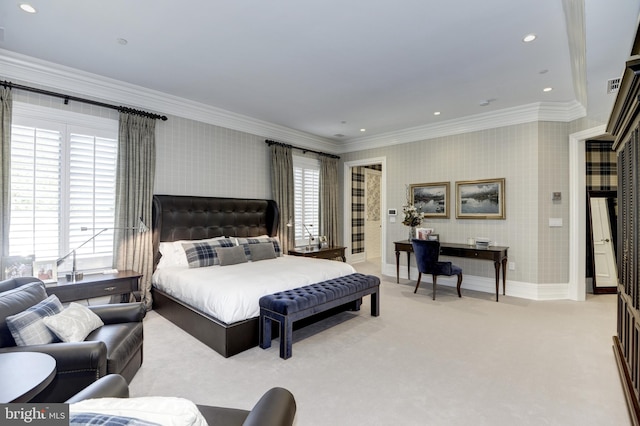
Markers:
183,217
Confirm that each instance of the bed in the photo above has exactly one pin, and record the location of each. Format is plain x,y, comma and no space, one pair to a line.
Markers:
219,304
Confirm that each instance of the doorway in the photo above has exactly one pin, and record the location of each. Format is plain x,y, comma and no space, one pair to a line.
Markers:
364,203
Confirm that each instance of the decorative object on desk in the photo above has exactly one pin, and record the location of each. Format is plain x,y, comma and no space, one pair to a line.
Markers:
45,270
17,266
431,199
480,199
322,242
433,237
310,238
482,243
74,275
423,233
412,217
471,241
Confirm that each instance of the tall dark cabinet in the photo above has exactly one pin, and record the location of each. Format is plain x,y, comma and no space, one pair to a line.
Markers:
624,125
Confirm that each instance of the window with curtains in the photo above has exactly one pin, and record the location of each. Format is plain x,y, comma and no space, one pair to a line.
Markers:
306,177
63,171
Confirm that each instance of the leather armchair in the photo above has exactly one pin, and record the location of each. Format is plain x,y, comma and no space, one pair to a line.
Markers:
116,347
277,407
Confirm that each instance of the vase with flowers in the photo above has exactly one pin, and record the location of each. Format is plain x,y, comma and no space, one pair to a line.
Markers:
412,218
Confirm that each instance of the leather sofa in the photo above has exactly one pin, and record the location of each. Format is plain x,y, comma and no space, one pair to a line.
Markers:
116,347
277,407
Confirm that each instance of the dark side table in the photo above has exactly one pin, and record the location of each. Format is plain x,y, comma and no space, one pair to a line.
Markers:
24,375
96,285
320,253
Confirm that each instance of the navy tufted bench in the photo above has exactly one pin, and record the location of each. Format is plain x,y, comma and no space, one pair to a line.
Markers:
292,305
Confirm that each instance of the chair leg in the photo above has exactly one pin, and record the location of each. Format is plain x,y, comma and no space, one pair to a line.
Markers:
418,283
459,284
434,286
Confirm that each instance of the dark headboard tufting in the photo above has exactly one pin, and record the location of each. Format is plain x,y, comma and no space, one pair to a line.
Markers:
183,217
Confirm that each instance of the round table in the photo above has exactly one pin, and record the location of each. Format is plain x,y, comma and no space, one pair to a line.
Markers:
24,374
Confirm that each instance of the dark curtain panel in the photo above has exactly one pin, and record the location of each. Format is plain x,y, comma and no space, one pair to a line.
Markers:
5,161
283,192
329,199
133,250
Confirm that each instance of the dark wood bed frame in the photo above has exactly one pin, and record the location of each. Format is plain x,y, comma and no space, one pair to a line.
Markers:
192,218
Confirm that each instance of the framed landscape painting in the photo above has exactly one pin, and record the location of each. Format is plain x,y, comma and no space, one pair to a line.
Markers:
432,199
480,199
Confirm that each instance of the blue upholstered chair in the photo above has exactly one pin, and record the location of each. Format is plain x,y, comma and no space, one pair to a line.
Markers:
427,253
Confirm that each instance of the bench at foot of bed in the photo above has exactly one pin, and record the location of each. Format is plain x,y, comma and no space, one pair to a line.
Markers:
285,307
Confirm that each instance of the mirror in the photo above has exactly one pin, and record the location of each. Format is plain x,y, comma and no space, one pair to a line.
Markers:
602,218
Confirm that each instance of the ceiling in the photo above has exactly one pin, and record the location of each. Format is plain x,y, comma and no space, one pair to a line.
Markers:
334,67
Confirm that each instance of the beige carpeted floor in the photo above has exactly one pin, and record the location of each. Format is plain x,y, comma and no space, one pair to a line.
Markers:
468,361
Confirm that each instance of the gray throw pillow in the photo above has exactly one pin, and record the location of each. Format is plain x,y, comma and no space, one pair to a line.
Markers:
262,251
231,255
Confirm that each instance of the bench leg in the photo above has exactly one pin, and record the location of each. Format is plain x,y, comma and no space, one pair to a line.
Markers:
375,303
265,332
286,338
356,304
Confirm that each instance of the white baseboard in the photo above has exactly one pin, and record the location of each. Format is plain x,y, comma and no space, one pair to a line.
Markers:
525,290
358,258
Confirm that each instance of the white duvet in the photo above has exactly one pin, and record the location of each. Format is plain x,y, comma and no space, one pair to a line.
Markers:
231,293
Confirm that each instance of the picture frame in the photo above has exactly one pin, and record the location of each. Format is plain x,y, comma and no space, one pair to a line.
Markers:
46,271
432,199
480,199
17,266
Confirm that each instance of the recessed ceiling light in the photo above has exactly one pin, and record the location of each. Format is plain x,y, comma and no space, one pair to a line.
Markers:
27,8
547,89
529,38
363,130
436,113
122,41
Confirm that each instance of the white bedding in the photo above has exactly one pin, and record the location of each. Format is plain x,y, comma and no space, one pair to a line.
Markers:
230,293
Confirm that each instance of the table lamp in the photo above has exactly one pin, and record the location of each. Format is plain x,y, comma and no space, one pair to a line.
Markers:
74,275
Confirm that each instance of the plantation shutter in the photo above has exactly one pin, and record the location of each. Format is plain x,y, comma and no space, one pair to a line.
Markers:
306,176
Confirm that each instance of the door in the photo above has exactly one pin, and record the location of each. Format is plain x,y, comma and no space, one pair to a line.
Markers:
604,261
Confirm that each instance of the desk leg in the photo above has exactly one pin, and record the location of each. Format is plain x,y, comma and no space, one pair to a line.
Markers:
504,275
397,266
497,265
409,266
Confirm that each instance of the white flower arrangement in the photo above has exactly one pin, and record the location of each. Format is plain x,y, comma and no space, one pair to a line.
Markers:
412,217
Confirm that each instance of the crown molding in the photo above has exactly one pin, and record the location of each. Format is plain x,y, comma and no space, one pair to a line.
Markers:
541,111
57,77
48,75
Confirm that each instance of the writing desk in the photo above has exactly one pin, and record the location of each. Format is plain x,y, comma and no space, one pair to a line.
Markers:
496,253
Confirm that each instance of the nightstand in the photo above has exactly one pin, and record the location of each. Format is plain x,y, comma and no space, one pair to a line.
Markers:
320,253
96,285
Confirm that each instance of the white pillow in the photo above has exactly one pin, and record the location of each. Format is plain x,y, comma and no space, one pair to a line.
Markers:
165,410
74,323
173,253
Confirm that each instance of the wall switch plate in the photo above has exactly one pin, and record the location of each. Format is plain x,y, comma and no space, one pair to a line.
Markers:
555,222
512,266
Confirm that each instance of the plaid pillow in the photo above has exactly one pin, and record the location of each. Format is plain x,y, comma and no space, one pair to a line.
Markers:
92,419
27,327
204,253
246,241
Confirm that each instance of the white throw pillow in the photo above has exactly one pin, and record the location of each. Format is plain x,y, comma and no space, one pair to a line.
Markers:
74,323
166,410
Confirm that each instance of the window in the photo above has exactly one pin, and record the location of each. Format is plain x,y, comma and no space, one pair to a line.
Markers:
306,178
63,168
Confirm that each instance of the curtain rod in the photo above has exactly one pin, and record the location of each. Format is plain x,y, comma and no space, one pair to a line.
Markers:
68,98
304,150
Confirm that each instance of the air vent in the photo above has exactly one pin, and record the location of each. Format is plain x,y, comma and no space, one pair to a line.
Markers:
613,85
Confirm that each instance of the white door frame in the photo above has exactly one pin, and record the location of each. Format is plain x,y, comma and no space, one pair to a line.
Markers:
577,211
346,214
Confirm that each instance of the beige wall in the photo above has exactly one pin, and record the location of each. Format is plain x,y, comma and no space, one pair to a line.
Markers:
534,160
194,158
